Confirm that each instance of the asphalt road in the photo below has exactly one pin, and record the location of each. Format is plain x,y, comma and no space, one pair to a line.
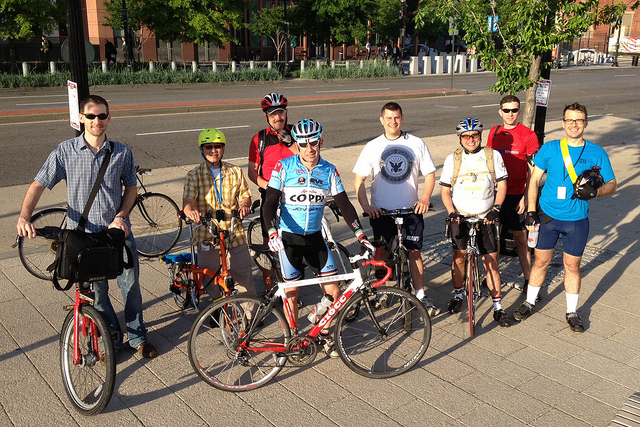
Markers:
169,139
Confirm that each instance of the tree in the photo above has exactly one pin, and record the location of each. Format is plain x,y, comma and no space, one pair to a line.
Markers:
269,22
24,19
527,30
612,14
182,20
386,19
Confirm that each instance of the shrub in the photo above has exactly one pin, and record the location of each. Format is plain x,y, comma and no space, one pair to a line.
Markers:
370,69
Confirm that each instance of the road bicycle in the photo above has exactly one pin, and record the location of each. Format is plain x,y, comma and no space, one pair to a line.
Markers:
188,281
399,255
471,276
154,223
87,355
241,343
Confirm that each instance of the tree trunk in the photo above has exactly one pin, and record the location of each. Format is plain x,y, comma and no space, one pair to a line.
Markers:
530,102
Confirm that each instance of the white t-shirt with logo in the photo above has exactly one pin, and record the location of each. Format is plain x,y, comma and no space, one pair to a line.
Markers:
396,165
474,190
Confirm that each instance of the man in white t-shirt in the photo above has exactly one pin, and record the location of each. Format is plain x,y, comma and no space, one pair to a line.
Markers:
397,159
474,191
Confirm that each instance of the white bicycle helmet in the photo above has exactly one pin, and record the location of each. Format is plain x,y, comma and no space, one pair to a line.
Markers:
469,124
307,130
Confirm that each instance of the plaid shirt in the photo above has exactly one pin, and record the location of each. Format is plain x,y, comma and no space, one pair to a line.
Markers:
234,188
74,161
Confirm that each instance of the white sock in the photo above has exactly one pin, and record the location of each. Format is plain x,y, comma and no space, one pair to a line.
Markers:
497,304
572,302
420,294
532,294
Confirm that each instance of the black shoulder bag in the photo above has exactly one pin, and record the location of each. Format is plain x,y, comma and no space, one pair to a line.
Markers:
89,257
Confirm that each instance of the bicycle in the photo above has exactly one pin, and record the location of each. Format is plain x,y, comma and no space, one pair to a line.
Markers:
154,224
241,343
471,276
187,279
87,355
399,255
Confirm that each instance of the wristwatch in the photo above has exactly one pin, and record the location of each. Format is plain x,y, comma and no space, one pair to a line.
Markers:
497,207
124,218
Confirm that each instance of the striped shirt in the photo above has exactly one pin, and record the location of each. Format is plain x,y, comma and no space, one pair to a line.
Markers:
233,188
73,161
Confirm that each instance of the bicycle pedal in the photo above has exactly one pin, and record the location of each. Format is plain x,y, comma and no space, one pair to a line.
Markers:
68,307
191,310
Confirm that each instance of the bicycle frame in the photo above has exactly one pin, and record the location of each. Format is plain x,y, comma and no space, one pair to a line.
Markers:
279,290
83,297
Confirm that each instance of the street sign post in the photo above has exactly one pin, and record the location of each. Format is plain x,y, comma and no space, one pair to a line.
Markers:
74,109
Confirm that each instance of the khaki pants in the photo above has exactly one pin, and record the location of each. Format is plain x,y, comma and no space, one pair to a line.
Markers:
239,267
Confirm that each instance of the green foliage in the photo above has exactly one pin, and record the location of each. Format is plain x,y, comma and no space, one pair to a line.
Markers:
120,77
343,20
386,21
371,69
26,18
527,29
182,20
270,22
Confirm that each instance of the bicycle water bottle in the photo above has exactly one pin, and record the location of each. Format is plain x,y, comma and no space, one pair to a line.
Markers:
320,309
532,239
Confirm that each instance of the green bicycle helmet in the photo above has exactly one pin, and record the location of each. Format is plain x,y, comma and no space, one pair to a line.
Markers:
211,136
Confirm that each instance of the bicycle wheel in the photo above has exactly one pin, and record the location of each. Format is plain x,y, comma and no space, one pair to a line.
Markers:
182,288
215,345
471,278
39,253
341,255
254,232
89,385
391,349
155,224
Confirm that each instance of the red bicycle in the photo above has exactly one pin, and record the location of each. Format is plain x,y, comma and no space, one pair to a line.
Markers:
188,281
241,343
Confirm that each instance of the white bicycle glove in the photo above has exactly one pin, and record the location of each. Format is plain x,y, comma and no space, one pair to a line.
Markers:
275,241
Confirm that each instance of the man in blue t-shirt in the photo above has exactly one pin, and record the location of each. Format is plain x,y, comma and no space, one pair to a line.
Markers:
577,171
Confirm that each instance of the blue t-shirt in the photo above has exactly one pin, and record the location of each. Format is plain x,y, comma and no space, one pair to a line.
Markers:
550,159
304,193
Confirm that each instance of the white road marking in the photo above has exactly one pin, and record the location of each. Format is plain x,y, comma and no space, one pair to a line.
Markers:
188,130
354,90
42,103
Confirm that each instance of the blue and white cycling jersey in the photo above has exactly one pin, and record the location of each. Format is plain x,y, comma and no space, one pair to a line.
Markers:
304,193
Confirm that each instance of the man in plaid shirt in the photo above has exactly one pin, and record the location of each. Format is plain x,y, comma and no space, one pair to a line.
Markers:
219,186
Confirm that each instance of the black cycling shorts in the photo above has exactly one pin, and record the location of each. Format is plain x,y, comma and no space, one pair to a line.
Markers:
487,242
412,230
312,248
509,217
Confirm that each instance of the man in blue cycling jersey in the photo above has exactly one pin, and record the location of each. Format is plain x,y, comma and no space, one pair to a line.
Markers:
299,185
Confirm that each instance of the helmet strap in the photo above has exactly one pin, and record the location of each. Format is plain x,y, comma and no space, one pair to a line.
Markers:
478,148
211,164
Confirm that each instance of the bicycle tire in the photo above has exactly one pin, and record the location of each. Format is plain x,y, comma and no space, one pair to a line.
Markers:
470,278
39,253
366,351
181,288
89,385
254,232
345,267
219,363
155,224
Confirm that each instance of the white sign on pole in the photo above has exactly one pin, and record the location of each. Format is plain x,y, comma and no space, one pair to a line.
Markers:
542,93
74,112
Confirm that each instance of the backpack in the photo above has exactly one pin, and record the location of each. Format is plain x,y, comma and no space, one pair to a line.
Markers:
457,162
262,136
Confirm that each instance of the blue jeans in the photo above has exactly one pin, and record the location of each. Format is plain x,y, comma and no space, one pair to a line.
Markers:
129,285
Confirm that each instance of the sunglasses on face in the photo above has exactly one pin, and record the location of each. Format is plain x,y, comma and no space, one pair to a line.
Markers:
470,137
303,144
102,116
212,147
510,110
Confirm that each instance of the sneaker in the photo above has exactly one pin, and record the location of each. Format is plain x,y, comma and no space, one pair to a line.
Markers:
330,349
455,305
431,307
501,317
524,311
573,319
146,350
324,332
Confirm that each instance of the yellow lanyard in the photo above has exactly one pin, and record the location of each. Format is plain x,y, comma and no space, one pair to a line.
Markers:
564,147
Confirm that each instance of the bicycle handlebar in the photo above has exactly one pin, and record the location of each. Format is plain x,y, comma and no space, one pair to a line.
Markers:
401,211
141,171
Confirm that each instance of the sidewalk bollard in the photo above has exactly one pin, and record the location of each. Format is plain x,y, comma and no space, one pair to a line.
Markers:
233,66
214,66
52,67
346,64
361,63
269,65
105,67
152,67
440,64
427,65
302,65
413,66
252,65
333,64
461,63
174,66
318,64
25,68
194,66
473,66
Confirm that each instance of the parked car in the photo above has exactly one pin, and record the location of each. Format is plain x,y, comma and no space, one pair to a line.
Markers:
588,55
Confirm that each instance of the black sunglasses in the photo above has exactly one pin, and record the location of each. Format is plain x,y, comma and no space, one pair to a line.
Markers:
102,116
510,110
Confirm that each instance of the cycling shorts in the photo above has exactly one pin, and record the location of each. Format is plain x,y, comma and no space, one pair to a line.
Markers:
487,243
311,248
412,230
574,235
509,217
